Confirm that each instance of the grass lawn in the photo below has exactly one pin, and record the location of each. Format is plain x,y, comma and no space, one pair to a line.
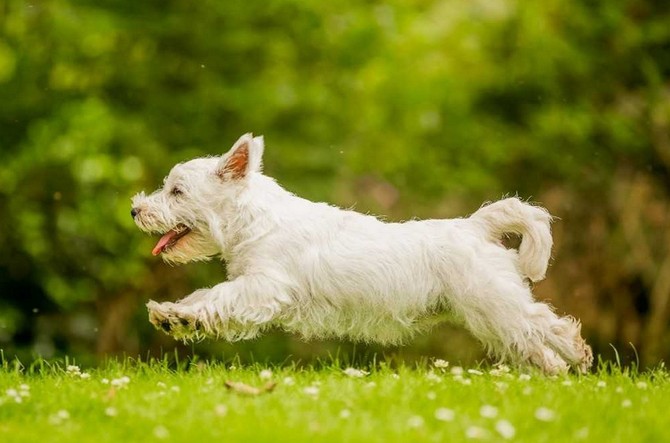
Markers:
133,401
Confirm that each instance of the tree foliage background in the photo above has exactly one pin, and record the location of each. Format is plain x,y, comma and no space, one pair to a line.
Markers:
405,108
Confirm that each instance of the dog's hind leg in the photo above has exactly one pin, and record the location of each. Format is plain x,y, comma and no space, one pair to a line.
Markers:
564,337
503,316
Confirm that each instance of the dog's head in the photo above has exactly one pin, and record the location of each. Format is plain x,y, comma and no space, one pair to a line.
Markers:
197,202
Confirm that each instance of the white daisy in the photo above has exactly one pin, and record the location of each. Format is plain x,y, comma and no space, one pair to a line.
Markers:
355,373
221,410
431,376
505,429
444,414
311,390
161,432
544,414
441,364
488,411
456,370
415,421
476,433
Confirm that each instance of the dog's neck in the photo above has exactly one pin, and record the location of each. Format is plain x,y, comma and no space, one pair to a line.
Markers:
256,211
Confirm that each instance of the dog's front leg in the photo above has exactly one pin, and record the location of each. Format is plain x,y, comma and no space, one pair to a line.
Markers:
233,310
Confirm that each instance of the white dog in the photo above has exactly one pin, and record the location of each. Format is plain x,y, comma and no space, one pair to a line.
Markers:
322,271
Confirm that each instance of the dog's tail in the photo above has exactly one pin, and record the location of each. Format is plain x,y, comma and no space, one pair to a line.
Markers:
511,215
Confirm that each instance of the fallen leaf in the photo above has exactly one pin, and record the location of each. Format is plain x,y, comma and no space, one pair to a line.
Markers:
245,389
110,394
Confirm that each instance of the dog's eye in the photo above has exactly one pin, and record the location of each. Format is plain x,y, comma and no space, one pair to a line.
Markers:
176,191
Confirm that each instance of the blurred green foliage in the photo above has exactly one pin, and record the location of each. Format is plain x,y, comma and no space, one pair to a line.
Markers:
416,107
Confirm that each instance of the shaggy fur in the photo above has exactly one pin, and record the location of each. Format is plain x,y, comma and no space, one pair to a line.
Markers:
322,271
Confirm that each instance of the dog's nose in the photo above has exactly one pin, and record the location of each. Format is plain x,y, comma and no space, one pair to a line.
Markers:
134,212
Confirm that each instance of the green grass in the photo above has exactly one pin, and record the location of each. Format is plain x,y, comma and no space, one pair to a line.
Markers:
421,403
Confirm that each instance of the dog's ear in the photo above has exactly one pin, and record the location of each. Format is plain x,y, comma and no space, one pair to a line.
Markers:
243,158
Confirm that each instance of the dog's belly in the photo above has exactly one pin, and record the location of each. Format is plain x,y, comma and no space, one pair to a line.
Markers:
382,330
362,322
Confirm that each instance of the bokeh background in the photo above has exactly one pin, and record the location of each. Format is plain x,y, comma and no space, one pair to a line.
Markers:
415,108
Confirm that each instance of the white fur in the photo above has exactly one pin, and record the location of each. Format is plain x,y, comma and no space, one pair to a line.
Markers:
322,271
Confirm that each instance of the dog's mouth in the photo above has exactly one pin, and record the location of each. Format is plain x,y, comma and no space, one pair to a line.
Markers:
170,238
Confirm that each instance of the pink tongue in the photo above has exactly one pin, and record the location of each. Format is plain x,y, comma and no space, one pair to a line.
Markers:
163,241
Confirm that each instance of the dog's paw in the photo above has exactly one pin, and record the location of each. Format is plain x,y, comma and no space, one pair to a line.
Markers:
174,320
584,365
